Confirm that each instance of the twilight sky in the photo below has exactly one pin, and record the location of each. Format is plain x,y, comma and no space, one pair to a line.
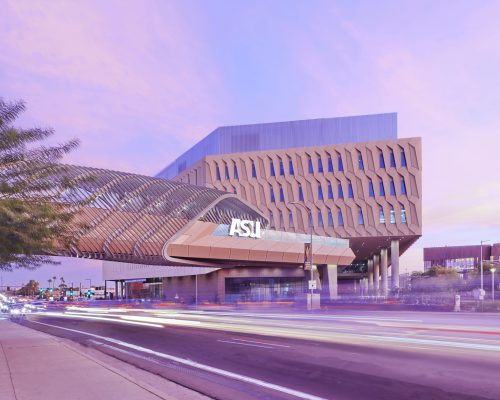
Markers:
140,81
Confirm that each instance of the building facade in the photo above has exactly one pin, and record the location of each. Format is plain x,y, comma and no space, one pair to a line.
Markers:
461,258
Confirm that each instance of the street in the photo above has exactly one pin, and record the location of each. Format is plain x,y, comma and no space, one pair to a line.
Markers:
340,355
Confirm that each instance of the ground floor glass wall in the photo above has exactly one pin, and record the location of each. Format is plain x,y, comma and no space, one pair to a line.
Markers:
263,289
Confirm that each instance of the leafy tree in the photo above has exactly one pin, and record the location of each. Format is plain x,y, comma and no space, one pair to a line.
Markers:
30,289
34,222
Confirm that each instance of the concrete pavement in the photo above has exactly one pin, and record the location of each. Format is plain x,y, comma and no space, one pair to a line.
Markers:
34,365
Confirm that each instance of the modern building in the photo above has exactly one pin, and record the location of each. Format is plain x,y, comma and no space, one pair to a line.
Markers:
347,177
461,258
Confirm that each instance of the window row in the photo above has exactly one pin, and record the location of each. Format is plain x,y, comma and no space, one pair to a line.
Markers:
319,169
340,217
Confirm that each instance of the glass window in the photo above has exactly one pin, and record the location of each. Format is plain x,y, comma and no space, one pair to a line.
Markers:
273,200
290,219
310,163
330,164
320,219
349,189
340,217
320,192
330,218
403,214
392,215
235,171
360,161
392,159
282,194
381,190
272,167
227,171
403,186
339,159
290,166
282,168
254,172
361,220
217,172
341,192
271,219
301,193
381,214
320,165
310,219
330,190
403,158
282,220
371,191
392,187
381,161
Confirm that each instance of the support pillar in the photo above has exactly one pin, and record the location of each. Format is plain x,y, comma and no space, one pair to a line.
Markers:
333,290
395,264
117,295
376,273
105,289
383,270
370,275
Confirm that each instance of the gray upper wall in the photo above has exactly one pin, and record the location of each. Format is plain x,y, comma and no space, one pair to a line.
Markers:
280,135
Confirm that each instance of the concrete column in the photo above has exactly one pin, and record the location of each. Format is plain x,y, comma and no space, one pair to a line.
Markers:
117,295
395,264
376,272
383,270
332,274
370,275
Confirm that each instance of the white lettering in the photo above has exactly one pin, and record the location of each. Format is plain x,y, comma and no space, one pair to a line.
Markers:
245,228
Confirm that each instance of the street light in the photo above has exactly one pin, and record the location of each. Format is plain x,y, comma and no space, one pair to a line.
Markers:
493,283
296,203
482,241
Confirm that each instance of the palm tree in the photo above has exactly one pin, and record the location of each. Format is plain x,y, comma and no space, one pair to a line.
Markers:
53,281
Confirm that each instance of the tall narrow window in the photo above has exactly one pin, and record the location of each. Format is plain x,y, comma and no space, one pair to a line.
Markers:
381,162
361,220
392,159
392,187
290,167
310,164
217,172
290,219
320,165
341,192
301,193
403,213
320,219
403,157
330,191
227,171
360,161
273,200
282,220
392,215
310,219
330,218
371,191
341,165
381,190
349,189
330,164
403,186
235,171
340,217
254,172
271,219
320,192
282,194
272,167
381,215
282,168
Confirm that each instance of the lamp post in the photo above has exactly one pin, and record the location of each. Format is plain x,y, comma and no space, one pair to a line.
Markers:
482,241
296,203
493,283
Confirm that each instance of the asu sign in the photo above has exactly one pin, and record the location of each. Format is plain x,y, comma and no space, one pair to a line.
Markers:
245,228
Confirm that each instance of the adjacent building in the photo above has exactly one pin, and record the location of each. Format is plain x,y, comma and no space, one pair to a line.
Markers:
461,258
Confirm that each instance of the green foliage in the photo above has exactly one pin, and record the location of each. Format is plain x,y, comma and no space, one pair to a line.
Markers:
30,289
34,222
440,271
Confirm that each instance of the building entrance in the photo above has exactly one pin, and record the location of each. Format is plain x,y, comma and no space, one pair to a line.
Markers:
263,289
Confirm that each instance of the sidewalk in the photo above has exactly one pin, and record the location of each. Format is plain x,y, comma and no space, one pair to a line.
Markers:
37,366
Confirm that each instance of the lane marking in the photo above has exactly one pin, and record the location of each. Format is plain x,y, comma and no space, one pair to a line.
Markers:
255,341
195,364
244,344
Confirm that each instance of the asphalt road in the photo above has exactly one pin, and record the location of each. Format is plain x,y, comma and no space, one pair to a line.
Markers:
342,355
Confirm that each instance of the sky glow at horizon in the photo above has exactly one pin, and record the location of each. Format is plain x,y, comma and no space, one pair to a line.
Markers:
141,82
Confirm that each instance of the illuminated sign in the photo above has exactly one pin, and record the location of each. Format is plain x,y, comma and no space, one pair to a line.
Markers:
245,228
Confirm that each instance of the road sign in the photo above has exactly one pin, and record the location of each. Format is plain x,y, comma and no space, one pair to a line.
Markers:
312,285
307,256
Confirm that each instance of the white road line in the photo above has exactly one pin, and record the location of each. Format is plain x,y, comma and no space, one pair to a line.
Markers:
245,344
264,343
195,364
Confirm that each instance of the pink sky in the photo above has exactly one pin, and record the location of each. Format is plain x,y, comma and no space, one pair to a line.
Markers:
140,82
